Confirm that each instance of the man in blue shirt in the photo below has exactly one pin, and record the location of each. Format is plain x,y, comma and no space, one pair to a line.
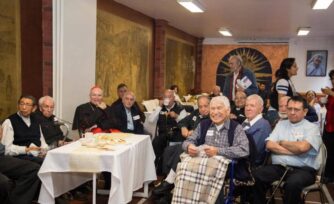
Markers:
294,143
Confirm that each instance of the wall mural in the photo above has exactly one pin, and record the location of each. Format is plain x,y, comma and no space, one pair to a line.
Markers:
180,65
252,59
122,55
9,57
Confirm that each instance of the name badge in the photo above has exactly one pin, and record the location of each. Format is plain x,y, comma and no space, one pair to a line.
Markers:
163,112
298,135
209,133
136,117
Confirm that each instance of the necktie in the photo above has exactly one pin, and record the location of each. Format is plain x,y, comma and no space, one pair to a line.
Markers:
245,125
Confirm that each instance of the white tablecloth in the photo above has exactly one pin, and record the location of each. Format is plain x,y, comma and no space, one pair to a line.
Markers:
69,166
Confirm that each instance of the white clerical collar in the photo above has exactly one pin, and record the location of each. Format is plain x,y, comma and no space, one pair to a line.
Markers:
254,120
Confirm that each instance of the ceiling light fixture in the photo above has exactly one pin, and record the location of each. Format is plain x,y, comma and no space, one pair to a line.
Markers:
225,32
192,5
321,4
303,31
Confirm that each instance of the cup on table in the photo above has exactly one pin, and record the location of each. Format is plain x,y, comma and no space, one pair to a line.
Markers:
88,135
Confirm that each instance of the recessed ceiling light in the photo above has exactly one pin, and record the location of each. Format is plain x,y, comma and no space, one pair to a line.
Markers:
225,32
303,31
192,5
321,4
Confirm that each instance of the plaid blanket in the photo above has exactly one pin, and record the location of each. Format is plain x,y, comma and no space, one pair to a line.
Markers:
199,179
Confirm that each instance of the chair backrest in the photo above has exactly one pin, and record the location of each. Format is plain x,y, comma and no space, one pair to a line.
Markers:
151,105
321,160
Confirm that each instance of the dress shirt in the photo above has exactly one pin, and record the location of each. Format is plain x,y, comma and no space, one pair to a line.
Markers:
249,124
219,139
129,120
8,138
301,131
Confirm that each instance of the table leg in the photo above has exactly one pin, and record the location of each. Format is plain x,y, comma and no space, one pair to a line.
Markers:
94,188
145,193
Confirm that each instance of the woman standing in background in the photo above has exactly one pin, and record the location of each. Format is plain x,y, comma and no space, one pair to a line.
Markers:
283,85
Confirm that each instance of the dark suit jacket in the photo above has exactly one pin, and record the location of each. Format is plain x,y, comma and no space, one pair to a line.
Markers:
119,119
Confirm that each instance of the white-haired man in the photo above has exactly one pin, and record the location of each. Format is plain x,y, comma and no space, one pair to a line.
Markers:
167,115
94,115
240,79
51,129
126,116
217,136
256,126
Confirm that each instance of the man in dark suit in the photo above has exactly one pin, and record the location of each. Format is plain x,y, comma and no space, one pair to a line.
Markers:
126,116
121,90
94,115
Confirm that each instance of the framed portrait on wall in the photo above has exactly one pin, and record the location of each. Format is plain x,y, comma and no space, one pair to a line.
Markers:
316,63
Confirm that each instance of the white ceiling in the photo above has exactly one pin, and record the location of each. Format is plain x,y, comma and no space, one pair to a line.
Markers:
246,19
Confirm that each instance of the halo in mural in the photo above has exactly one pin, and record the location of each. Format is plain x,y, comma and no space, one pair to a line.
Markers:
253,59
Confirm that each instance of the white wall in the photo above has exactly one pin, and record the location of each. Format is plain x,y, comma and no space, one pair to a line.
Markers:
74,50
298,48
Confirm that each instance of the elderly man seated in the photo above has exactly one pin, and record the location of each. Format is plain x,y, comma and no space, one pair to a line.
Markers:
126,116
171,156
294,143
94,115
213,137
167,115
53,135
256,126
22,134
121,90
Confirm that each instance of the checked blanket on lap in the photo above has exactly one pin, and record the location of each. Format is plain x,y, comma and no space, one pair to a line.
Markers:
199,179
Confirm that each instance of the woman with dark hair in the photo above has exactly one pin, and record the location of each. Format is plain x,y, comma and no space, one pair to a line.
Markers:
283,85
328,135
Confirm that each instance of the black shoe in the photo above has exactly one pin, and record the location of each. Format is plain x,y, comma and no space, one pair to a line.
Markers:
163,189
166,199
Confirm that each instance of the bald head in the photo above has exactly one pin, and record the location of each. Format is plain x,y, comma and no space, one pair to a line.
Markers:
169,98
96,95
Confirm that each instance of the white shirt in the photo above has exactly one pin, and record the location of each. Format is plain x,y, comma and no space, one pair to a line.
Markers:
235,76
252,122
8,138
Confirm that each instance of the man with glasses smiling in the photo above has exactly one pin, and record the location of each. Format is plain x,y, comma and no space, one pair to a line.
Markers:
294,143
22,135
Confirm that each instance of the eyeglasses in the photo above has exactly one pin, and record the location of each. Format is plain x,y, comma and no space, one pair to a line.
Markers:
294,109
25,104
